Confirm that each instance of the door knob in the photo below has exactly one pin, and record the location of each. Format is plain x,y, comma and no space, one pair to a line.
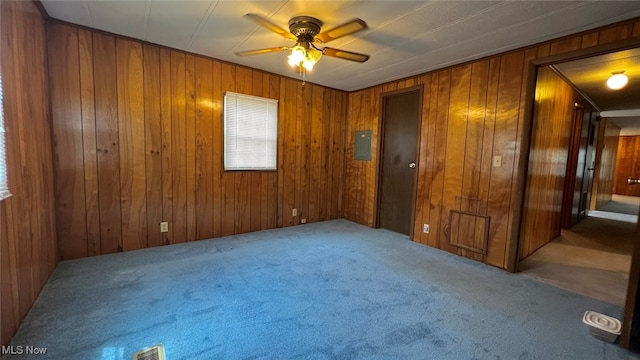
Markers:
412,165
633,181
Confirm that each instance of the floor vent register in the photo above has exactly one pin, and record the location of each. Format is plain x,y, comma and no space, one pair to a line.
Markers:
151,353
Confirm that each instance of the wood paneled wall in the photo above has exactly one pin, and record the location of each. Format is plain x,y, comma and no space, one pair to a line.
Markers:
554,124
138,140
470,113
605,166
28,252
627,165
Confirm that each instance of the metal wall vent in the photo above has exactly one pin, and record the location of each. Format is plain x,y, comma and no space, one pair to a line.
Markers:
151,353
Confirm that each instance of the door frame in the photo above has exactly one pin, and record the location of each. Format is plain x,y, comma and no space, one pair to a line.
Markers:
525,140
569,187
380,151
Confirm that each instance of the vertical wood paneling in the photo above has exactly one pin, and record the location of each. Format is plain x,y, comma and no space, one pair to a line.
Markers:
167,152
159,142
204,149
504,145
28,247
421,162
92,206
131,131
190,132
68,142
297,149
153,143
107,141
289,141
522,123
470,200
627,165
551,132
337,173
455,147
486,166
440,136
157,118
432,83
305,149
317,172
325,158
179,146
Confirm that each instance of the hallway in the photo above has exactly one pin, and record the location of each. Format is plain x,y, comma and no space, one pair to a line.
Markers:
593,257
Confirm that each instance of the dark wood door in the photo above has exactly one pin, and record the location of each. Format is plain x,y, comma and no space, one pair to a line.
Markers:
401,125
587,180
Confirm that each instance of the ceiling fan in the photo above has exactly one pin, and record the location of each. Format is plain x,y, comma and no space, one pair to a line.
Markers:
305,31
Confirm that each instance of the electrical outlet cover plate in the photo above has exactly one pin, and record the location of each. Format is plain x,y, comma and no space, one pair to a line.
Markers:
425,228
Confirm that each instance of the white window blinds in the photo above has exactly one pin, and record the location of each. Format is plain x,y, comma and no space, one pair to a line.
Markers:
4,180
250,132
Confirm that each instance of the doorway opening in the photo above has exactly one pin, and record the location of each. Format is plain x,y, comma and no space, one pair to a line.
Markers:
401,116
578,227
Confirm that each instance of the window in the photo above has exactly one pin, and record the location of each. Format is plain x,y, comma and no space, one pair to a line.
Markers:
250,132
4,180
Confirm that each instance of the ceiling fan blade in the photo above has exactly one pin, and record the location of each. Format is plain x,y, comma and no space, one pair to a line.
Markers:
261,51
347,55
271,26
348,28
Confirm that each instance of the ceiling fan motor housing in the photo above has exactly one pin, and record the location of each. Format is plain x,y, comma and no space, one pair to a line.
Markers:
305,27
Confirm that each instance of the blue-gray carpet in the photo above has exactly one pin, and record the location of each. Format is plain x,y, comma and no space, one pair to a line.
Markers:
331,290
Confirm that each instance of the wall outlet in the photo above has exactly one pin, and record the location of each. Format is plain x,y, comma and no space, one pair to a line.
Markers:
425,228
303,221
497,161
164,227
294,212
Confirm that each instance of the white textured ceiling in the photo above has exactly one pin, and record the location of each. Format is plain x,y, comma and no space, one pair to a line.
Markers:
404,37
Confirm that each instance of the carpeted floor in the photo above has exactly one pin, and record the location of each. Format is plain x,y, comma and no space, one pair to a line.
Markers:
622,204
331,290
592,258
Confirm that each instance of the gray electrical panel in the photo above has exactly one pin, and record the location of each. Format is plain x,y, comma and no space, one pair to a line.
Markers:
363,145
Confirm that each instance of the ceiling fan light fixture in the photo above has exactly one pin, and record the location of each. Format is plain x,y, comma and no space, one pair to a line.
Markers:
311,58
298,54
617,81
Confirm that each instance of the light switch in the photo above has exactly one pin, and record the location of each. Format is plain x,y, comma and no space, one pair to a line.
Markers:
497,161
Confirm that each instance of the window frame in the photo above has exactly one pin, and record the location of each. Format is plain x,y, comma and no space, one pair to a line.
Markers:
225,165
4,164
